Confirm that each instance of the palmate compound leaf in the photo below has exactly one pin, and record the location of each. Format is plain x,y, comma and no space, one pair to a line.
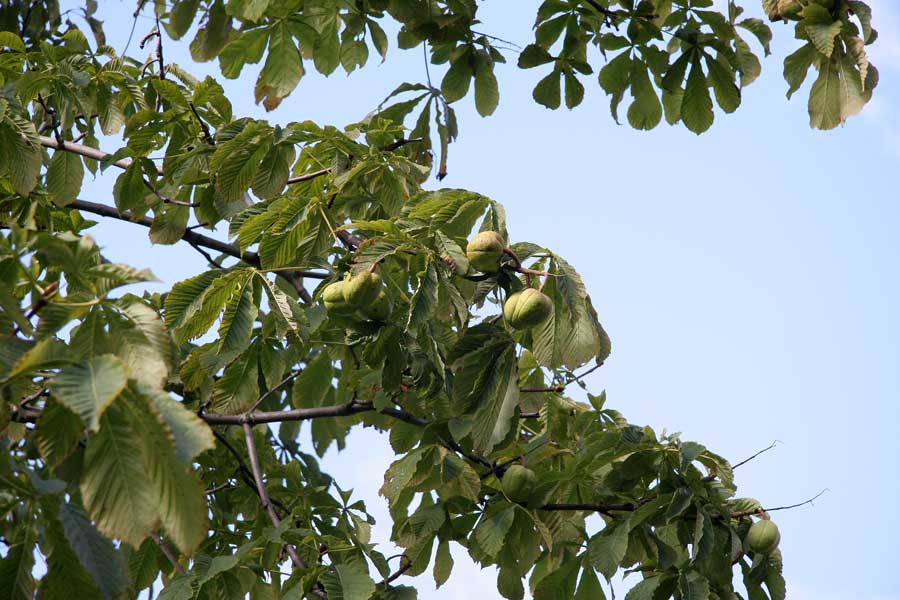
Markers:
572,335
114,487
89,387
133,476
486,384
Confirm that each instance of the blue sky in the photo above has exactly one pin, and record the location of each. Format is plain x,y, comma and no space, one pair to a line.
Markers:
747,277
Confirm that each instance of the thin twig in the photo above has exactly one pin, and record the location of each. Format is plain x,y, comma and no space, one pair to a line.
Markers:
203,126
405,565
308,176
281,384
168,552
561,387
746,460
760,511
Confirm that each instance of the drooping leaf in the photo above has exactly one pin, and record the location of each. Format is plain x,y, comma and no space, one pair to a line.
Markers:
89,387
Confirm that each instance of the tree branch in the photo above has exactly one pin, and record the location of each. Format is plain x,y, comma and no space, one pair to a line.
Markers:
189,236
308,176
168,552
760,511
264,495
87,152
746,460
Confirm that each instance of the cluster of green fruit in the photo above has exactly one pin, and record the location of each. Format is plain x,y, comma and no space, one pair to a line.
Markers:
522,310
361,295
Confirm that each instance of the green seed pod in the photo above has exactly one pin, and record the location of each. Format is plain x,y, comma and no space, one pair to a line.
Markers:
518,483
484,251
525,309
379,309
333,297
763,537
363,289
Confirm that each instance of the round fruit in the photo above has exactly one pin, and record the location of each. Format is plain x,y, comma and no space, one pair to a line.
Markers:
518,483
362,289
484,251
333,297
379,309
763,537
525,309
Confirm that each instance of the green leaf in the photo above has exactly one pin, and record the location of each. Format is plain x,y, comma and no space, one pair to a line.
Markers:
728,95
236,327
129,190
696,106
487,93
534,56
606,550
95,553
64,176
547,91
89,387
616,74
443,564
694,586
825,98
348,582
455,84
589,587
142,566
246,48
22,152
748,63
645,111
560,583
572,335
191,434
169,224
215,33
282,70
16,579
179,497
821,28
237,389
797,65
491,530
424,299
114,486
574,90
645,590
58,433
327,49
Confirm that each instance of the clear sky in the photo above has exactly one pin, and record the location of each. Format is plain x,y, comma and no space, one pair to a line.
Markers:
748,279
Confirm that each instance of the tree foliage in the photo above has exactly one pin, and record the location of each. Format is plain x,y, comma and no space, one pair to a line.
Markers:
141,431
